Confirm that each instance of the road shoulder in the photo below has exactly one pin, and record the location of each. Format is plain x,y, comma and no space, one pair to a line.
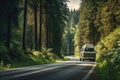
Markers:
93,75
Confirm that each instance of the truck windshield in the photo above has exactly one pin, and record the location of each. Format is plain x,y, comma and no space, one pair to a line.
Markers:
89,49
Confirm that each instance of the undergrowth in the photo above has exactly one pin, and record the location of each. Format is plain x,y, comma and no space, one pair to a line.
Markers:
16,58
108,57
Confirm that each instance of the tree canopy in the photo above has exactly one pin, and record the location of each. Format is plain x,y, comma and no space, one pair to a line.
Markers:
31,25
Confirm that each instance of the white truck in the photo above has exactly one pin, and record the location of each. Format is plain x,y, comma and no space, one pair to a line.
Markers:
87,52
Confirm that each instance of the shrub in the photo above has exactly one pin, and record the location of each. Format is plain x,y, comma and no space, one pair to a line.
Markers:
108,56
4,54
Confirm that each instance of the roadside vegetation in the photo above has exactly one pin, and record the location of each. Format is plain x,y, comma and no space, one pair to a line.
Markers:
29,58
108,56
37,32
99,24
31,32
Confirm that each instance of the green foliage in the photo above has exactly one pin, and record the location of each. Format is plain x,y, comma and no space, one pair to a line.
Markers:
11,34
77,51
36,58
27,58
99,24
108,56
57,16
86,31
107,17
4,66
69,32
3,53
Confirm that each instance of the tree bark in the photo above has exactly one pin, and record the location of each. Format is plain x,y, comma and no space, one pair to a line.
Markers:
36,37
24,26
40,29
8,30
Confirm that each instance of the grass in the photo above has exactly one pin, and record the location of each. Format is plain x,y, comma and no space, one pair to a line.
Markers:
31,58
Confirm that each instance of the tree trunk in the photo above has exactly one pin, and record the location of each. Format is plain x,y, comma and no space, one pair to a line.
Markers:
40,29
36,37
8,30
24,26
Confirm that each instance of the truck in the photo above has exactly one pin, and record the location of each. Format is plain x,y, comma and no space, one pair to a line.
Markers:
88,52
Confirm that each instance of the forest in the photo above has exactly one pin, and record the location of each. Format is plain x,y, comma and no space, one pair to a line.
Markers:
31,30
99,24
42,31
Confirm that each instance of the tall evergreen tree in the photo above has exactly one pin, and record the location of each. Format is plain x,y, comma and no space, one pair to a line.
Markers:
9,18
24,26
34,4
40,24
55,18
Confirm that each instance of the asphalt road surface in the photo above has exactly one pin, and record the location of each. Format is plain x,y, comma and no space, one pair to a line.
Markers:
68,70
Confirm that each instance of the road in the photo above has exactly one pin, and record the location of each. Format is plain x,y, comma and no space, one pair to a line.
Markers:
68,70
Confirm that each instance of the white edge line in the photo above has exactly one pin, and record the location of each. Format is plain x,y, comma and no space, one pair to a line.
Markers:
88,74
25,74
